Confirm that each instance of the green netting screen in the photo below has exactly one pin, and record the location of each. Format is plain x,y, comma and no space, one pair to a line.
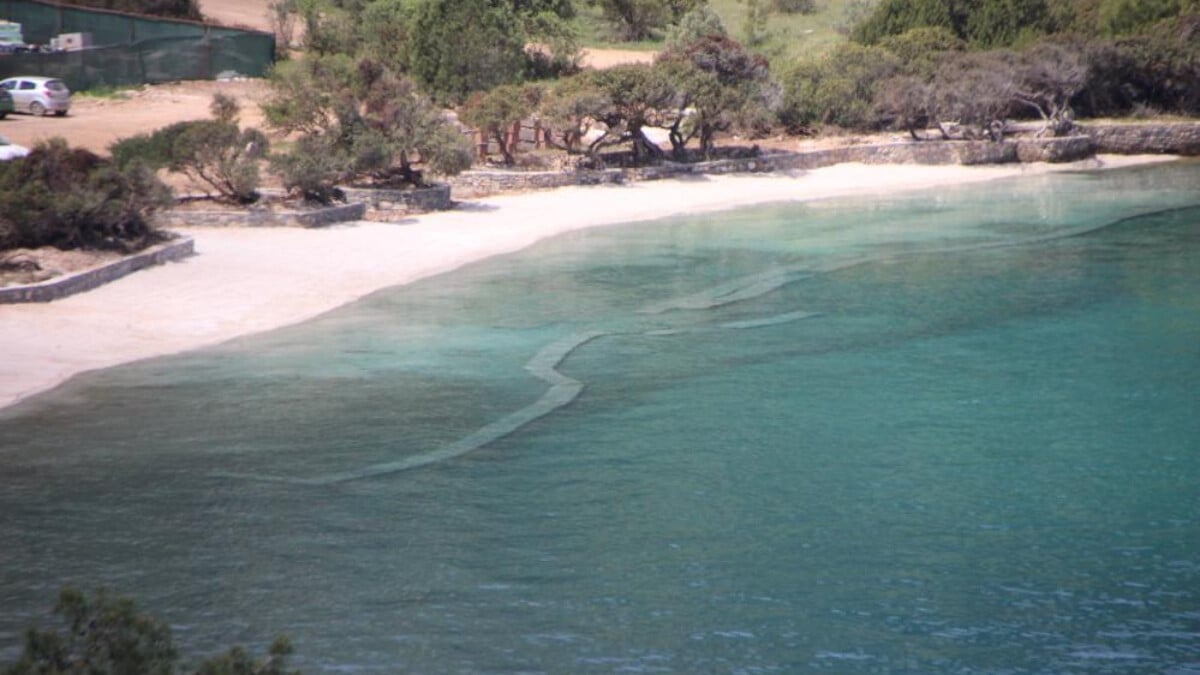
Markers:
131,49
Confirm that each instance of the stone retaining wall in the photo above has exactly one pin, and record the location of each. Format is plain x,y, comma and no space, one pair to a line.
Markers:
387,204
924,152
262,217
1171,138
61,287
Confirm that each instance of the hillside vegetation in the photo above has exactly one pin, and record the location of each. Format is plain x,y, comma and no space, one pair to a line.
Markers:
811,28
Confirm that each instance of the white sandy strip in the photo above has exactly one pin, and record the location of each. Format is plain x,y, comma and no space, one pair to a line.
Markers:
244,281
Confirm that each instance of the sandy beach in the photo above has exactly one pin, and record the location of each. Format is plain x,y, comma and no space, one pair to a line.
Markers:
245,281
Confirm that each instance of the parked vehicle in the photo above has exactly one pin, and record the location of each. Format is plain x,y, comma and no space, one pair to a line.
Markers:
38,95
9,150
6,103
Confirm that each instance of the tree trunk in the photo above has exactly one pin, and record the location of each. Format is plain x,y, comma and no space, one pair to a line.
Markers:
642,147
502,143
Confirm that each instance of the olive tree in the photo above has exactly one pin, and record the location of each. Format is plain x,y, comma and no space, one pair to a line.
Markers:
634,20
568,111
495,112
357,120
216,154
972,93
903,102
719,85
1047,77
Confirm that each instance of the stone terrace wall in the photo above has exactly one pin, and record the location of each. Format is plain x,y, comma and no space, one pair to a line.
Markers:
386,204
1173,138
262,217
61,287
925,152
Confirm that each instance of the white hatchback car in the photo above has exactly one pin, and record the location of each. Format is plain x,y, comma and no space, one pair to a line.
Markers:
10,150
38,95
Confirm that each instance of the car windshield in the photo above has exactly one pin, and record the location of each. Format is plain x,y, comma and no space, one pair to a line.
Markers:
55,85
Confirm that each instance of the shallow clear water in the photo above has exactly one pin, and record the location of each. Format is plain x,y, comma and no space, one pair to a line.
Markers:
949,431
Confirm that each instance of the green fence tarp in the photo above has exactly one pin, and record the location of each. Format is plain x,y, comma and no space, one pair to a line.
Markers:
131,49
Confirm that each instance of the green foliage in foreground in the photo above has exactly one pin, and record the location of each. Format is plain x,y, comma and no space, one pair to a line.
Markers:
71,198
105,635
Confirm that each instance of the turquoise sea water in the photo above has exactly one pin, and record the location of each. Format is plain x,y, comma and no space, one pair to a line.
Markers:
955,430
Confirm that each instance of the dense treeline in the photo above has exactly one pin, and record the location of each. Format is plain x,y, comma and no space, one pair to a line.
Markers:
966,67
1003,23
962,66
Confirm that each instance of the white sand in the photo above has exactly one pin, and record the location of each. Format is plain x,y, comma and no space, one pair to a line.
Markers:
244,281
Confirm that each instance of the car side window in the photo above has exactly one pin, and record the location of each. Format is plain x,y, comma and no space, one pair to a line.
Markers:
7,85
26,85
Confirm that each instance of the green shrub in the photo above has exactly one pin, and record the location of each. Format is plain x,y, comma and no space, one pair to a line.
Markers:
838,90
152,150
458,47
311,169
216,153
920,49
105,634
1124,17
72,198
794,6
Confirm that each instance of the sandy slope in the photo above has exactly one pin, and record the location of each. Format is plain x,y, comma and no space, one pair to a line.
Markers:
245,281
242,13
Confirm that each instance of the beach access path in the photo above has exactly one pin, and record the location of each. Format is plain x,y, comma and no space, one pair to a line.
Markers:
248,280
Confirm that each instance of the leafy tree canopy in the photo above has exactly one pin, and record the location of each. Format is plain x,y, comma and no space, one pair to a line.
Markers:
462,46
633,20
357,119
495,112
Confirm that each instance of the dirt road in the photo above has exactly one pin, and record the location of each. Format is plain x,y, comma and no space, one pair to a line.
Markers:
95,123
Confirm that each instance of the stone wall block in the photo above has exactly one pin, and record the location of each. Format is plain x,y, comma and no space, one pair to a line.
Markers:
61,287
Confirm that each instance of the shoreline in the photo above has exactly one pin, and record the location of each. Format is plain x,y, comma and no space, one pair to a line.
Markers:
244,281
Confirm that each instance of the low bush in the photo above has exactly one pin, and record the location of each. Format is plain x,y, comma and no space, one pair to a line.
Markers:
794,6
105,634
71,198
215,153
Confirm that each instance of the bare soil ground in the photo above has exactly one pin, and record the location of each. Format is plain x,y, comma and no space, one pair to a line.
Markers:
95,123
